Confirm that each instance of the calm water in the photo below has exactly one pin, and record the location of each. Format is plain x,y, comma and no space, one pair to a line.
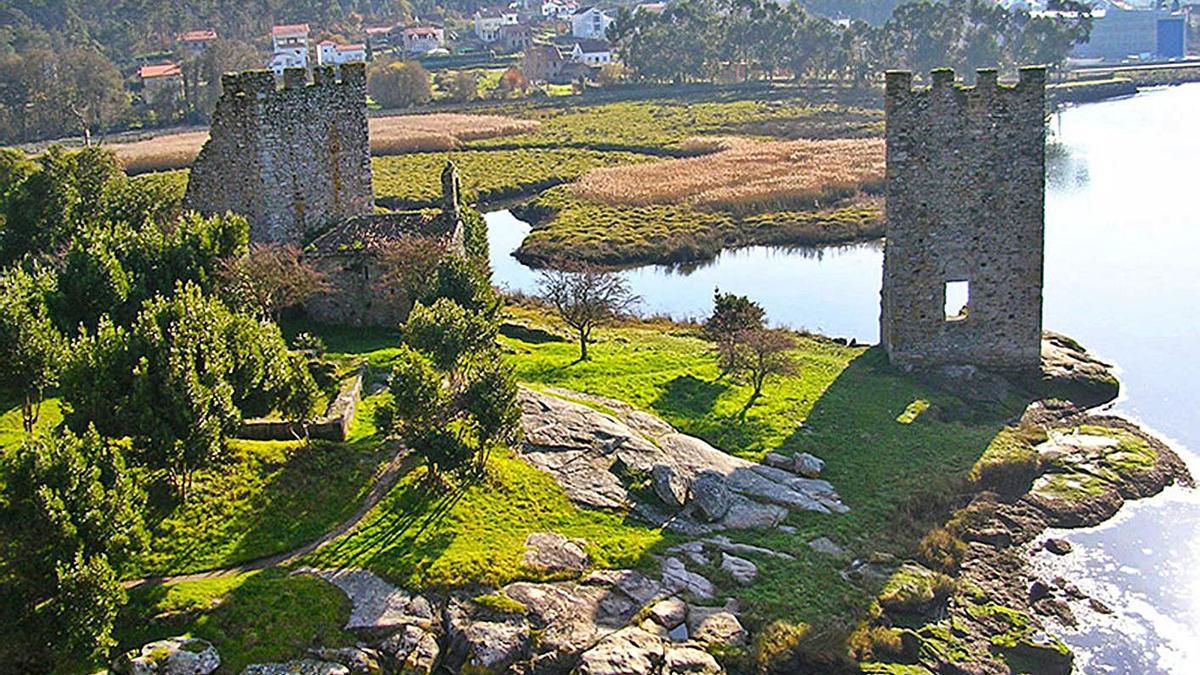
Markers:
1122,276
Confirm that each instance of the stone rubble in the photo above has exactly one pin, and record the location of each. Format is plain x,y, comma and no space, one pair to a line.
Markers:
180,655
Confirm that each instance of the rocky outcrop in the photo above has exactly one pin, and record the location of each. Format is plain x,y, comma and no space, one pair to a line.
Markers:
553,553
411,650
179,655
1070,373
376,606
699,488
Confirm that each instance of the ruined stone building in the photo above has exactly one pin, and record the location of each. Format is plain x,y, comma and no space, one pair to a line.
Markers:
292,159
295,161
360,259
962,269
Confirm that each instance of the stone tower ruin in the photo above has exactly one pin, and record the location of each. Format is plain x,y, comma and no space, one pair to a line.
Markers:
962,266
293,159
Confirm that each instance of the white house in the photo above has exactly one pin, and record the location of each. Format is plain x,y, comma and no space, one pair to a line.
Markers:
558,9
423,39
196,41
330,53
589,22
290,43
591,52
488,21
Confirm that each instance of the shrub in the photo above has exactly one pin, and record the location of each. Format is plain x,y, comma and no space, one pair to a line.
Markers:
941,550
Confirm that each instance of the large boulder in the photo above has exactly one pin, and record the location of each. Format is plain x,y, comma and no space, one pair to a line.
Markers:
716,626
411,650
677,578
710,496
376,606
552,552
358,660
687,660
1069,372
629,651
179,655
670,486
491,645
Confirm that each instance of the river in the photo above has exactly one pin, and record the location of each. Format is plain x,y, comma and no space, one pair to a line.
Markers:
1122,275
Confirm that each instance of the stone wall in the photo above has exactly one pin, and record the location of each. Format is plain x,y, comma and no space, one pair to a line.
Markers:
292,159
965,203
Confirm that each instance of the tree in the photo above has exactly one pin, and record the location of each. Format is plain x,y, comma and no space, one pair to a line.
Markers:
585,296
179,379
407,264
31,348
732,316
70,516
399,84
512,82
270,278
760,354
462,86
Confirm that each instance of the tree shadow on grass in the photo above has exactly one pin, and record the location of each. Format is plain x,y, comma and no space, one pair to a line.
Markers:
687,396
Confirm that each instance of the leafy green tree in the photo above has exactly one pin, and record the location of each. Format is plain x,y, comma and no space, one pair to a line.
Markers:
180,379
70,516
733,315
462,281
399,84
448,334
31,348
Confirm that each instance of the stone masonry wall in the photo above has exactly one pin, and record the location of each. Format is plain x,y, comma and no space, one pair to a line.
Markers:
292,159
965,202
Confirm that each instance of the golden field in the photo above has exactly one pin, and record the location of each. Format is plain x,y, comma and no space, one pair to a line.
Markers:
389,136
743,175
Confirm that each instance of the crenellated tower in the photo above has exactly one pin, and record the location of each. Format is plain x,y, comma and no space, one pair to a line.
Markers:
292,158
962,268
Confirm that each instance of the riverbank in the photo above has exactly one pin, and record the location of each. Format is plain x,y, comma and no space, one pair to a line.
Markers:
567,228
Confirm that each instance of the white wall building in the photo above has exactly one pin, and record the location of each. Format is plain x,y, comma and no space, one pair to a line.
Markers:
489,20
330,53
423,39
290,44
591,52
590,22
558,9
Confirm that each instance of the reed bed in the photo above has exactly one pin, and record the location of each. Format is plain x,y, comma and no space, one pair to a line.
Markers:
394,135
744,175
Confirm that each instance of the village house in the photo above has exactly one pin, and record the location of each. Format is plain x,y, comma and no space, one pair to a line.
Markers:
514,39
559,9
593,53
330,53
380,36
419,40
290,47
488,21
590,22
195,42
161,81
651,7
553,64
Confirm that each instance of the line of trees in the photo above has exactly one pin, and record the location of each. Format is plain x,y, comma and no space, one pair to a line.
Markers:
702,40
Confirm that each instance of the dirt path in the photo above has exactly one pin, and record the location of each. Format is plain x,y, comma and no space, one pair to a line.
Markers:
384,482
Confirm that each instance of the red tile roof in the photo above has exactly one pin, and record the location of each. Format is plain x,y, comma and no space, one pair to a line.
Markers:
160,70
376,30
421,30
198,36
322,43
351,48
290,29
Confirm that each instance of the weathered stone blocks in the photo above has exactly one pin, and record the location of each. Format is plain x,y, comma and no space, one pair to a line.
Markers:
965,203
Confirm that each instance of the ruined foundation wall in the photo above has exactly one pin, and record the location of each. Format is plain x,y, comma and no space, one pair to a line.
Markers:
965,202
292,159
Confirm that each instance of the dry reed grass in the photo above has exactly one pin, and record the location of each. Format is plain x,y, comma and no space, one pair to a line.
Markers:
389,136
742,175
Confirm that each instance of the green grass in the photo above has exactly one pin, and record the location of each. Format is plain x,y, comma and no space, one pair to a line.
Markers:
664,124
894,476
423,536
269,497
252,618
12,432
615,234
415,179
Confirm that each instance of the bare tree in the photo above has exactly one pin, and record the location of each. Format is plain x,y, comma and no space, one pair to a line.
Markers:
585,296
271,277
761,353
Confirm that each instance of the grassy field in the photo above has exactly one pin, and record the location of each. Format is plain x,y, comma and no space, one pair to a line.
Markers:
666,124
414,180
389,135
744,176
568,227
257,617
